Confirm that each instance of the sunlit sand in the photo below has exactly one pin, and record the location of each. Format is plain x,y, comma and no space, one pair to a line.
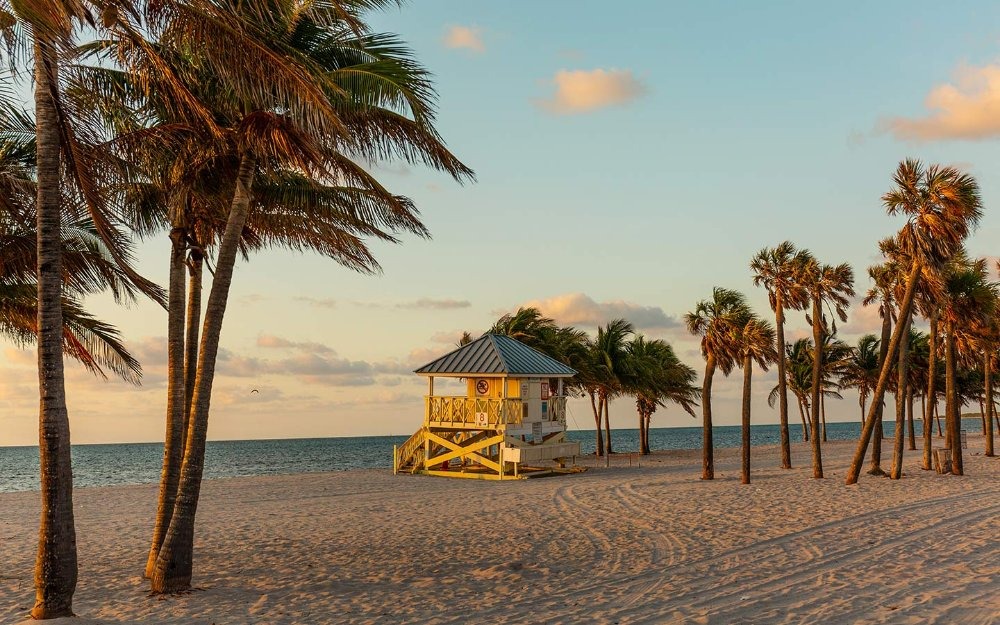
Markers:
641,545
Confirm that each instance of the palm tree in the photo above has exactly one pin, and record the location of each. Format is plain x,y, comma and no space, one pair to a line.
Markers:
798,376
64,165
882,291
609,355
327,110
755,342
836,357
527,325
862,369
831,285
779,270
971,300
656,376
902,377
941,205
717,321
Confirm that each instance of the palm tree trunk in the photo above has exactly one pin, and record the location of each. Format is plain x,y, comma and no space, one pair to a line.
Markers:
779,324
707,451
803,408
876,463
607,426
937,418
173,441
56,564
883,378
822,414
195,271
646,449
174,565
747,379
599,446
911,433
954,414
931,401
817,376
988,377
901,372
642,431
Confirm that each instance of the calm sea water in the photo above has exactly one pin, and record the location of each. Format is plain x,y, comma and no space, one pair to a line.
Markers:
139,463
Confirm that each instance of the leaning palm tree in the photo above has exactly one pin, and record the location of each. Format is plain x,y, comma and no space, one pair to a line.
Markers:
779,270
755,344
941,205
833,286
716,321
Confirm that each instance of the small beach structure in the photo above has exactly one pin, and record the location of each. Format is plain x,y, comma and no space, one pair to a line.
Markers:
510,423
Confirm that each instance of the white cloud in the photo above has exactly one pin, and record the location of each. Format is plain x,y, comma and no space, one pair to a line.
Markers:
582,91
582,310
466,38
967,109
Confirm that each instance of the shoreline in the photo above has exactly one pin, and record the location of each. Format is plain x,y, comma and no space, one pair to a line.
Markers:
622,459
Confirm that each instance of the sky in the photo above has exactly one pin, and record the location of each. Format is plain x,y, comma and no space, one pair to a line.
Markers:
627,161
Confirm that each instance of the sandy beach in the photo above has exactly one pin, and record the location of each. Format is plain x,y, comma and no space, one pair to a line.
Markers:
616,546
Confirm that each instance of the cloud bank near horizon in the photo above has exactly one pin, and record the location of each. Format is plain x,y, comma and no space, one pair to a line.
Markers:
579,309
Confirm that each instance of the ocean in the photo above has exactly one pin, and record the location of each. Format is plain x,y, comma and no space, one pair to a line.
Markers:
139,463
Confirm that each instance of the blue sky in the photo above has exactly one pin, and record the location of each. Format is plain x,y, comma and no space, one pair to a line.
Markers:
628,158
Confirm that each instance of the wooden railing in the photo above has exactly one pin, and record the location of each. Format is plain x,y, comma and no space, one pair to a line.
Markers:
472,411
407,451
485,412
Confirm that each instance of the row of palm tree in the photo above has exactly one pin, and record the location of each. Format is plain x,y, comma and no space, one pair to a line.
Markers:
795,280
616,362
231,126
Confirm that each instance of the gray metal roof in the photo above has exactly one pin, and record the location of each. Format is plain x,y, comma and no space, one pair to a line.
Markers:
495,354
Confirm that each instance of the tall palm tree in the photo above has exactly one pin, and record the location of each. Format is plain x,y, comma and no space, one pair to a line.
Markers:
941,205
755,341
64,164
833,286
716,321
328,111
779,270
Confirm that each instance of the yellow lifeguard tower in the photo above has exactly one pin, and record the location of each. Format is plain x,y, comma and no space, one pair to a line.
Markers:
510,423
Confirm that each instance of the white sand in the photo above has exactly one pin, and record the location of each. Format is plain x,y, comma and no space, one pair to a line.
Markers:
649,545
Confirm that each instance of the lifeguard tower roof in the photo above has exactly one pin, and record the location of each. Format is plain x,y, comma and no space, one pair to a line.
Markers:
497,355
